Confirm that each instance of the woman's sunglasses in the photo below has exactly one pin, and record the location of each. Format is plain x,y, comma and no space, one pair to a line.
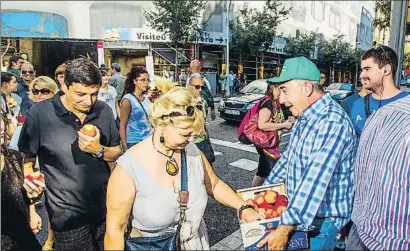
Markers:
29,72
42,91
189,111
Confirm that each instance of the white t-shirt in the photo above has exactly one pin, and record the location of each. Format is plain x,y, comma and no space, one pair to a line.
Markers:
108,97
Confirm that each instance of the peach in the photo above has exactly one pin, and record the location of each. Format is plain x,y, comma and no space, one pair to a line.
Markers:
270,196
35,176
259,199
89,130
261,211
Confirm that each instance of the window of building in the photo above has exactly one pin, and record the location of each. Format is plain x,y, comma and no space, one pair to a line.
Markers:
215,23
362,36
318,10
104,14
334,20
353,31
337,22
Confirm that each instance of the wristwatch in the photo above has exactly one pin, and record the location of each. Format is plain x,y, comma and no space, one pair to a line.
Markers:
243,207
99,154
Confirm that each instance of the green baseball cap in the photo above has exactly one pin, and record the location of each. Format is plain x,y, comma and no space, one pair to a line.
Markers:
296,68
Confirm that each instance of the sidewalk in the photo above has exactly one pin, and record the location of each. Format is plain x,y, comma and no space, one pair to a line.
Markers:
231,242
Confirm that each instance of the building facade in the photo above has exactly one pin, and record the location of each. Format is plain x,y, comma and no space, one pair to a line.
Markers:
91,21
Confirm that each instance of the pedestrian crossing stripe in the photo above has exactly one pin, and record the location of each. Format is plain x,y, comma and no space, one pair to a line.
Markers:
245,164
216,153
236,145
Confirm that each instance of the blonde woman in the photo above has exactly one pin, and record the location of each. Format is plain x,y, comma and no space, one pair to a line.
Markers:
144,185
41,88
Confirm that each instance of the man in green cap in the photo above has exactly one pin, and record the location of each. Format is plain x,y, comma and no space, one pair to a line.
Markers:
317,167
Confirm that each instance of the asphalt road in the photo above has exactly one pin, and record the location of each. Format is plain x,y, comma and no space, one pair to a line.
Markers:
221,221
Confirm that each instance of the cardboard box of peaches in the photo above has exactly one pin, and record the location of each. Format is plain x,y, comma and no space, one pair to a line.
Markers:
270,200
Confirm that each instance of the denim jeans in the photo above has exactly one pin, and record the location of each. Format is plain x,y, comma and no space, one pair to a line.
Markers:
324,236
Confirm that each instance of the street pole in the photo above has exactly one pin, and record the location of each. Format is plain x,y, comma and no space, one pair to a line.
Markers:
228,7
357,68
398,21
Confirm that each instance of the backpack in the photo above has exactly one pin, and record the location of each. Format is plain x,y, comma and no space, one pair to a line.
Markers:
251,113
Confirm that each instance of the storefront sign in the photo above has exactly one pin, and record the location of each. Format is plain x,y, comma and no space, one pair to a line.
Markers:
216,38
100,52
126,45
134,34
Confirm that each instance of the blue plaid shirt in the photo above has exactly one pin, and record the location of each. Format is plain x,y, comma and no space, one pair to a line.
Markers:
317,166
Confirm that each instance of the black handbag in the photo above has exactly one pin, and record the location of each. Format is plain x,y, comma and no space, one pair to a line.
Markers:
171,241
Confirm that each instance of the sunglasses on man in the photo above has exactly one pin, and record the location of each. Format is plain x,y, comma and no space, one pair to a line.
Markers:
27,72
43,91
198,87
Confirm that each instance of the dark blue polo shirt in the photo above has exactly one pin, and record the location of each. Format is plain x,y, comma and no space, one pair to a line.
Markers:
76,181
22,91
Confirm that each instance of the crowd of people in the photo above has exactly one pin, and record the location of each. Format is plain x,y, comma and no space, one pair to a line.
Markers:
121,164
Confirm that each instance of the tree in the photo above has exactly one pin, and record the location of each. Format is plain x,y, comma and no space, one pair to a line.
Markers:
406,60
339,54
334,50
254,30
303,45
180,19
383,7
382,21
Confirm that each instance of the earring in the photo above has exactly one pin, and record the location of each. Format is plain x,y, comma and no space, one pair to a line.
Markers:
161,139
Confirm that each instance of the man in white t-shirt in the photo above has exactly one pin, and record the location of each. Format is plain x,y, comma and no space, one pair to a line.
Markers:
108,94
195,68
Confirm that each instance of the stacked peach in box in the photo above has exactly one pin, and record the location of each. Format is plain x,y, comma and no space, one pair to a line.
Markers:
271,201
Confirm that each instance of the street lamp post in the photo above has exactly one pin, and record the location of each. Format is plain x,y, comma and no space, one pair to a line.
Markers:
228,7
398,32
357,68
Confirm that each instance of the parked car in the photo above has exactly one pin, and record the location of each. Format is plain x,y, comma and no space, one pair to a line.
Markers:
340,91
405,78
235,107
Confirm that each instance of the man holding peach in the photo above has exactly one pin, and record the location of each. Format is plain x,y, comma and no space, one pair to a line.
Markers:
74,137
317,166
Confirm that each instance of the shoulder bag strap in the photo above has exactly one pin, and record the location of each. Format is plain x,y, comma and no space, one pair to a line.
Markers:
139,102
184,193
367,105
